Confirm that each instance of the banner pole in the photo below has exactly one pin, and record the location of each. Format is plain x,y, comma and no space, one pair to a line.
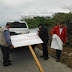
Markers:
36,59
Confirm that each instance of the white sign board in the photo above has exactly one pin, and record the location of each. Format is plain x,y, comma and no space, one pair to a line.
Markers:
25,39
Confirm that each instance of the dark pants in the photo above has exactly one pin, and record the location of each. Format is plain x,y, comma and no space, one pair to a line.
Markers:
58,53
45,49
5,51
33,46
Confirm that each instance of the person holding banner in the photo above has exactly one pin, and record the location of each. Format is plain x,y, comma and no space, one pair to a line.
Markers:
5,43
43,34
60,31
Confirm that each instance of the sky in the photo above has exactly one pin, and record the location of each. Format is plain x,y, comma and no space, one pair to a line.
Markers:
13,10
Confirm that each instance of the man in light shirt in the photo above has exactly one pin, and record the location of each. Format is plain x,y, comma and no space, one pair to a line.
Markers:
61,31
5,43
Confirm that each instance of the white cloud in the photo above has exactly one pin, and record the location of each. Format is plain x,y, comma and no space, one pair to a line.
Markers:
13,9
66,5
13,3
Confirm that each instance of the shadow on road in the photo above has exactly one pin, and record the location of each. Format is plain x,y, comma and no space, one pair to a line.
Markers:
21,55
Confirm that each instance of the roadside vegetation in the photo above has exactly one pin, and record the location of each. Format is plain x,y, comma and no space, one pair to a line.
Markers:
50,22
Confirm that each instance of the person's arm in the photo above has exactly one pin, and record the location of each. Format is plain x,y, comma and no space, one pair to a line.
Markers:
7,38
53,31
65,36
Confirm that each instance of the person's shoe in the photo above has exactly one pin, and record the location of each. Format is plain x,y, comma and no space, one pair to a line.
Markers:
42,56
46,58
58,60
9,60
7,64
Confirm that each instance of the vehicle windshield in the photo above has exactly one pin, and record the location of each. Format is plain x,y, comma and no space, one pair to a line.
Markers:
18,25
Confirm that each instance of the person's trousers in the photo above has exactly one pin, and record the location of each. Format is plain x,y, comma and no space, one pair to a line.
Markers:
45,49
58,53
33,46
5,52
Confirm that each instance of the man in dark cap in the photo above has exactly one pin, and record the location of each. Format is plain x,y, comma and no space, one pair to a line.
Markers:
43,33
5,43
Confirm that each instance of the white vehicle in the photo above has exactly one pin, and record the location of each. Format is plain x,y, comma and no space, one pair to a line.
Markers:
18,27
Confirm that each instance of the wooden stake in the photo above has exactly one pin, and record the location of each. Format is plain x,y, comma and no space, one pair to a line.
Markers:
36,59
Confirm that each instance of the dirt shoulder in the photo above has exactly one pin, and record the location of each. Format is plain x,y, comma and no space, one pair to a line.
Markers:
66,56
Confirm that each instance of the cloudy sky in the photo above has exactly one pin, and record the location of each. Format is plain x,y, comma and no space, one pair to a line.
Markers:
12,10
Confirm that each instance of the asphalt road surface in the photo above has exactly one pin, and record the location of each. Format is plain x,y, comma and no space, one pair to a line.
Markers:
23,61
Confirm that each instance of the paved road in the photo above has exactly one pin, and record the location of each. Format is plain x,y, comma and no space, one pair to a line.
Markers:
22,61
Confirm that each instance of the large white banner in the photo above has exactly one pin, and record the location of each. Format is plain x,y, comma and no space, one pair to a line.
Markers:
56,42
25,39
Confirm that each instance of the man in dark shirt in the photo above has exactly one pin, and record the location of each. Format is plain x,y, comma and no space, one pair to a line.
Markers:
43,33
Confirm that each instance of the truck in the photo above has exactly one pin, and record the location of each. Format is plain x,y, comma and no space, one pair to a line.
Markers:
20,27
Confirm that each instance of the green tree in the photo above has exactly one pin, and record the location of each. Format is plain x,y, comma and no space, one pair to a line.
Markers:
50,22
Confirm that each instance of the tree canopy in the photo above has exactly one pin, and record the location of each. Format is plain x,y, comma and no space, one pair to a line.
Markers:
50,22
